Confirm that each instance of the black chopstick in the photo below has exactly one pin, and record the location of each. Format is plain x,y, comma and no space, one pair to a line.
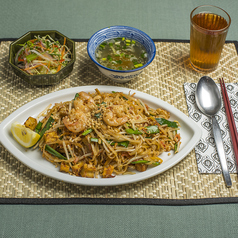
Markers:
230,119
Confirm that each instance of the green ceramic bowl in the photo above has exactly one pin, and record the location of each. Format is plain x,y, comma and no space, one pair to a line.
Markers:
43,79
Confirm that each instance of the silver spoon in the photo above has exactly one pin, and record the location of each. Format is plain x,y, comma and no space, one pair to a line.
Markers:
208,99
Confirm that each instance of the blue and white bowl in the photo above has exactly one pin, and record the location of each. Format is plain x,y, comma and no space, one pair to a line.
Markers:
102,35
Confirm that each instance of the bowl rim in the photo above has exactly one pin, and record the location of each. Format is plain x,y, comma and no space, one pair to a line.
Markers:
40,75
123,71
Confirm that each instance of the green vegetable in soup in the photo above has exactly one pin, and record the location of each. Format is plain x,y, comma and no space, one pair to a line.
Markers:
121,54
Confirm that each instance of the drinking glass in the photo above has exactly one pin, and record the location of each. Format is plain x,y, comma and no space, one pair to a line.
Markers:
209,27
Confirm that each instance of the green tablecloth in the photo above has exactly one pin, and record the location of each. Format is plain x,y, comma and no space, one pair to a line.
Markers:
79,19
49,221
161,19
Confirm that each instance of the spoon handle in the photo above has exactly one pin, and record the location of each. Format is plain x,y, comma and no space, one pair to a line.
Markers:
221,151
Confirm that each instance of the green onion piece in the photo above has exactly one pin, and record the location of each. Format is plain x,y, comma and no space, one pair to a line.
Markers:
47,126
30,44
120,68
123,38
175,147
134,132
98,115
104,59
76,96
133,42
142,55
121,143
101,103
138,65
163,121
119,61
140,162
110,142
109,57
94,139
38,127
87,132
144,162
54,152
31,57
152,129
102,46
48,44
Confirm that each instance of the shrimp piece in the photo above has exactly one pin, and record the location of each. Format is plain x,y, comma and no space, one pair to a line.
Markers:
84,102
115,116
79,106
76,121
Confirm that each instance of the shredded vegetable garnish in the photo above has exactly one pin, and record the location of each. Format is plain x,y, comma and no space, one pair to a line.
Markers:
42,55
105,134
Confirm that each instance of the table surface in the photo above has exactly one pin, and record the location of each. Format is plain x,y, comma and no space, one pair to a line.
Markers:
79,19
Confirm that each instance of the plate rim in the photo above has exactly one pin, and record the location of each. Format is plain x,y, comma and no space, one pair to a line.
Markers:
118,180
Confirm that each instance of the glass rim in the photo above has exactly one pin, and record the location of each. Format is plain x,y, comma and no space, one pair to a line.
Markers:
204,29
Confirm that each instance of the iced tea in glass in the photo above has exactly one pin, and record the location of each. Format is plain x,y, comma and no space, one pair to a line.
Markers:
209,27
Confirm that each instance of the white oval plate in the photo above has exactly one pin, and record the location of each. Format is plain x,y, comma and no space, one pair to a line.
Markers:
189,131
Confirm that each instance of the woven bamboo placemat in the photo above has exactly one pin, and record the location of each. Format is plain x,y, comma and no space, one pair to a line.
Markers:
164,78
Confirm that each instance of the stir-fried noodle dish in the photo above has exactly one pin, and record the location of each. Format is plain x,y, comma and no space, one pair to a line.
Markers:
104,134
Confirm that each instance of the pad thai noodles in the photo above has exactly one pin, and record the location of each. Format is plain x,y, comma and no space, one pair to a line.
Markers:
104,134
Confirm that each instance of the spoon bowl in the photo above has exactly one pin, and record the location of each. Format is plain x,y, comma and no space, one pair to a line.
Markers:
208,99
